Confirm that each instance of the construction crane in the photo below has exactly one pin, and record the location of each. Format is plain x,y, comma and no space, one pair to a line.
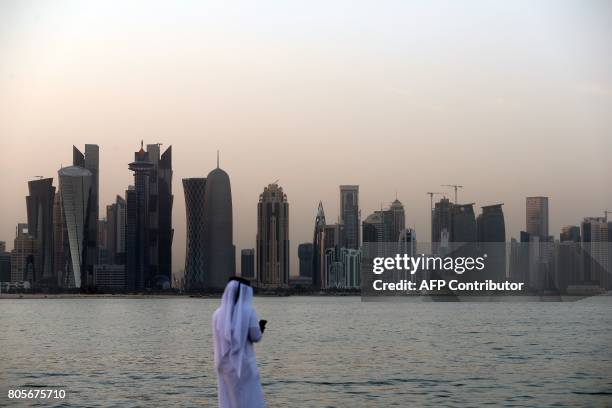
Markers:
431,194
455,186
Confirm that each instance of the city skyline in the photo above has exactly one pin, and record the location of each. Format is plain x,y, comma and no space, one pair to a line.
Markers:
178,266
508,99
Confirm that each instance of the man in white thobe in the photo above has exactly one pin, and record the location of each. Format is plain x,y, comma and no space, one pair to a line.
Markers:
235,329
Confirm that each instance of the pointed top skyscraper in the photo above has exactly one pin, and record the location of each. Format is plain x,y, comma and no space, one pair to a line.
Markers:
319,272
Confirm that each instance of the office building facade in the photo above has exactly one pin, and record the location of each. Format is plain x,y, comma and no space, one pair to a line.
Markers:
22,255
273,238
350,216
537,217
39,205
195,274
491,227
75,187
90,160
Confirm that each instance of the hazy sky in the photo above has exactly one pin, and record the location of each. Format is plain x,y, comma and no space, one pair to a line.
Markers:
508,98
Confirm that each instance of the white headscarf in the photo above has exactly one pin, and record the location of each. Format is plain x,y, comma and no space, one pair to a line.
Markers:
232,324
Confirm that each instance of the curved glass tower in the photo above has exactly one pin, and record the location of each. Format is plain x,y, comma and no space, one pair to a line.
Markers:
218,230
195,190
75,187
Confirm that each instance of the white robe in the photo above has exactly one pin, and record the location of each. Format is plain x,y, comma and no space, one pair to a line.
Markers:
238,377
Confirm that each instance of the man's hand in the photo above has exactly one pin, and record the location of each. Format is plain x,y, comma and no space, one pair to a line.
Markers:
262,325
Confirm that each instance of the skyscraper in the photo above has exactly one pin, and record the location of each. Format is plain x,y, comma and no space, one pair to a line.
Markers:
60,239
219,251
305,254
398,223
138,224
349,216
39,206
540,243
195,272
132,247
90,161
5,265
596,247
537,217
22,255
116,230
376,235
441,223
463,223
160,214
149,219
273,238
319,272
491,224
491,239
247,263
75,186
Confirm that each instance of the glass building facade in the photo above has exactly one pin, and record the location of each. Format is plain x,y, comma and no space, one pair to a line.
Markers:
75,186
195,191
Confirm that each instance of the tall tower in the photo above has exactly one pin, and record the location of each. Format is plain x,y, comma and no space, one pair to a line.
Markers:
195,272
376,235
219,248
596,249
349,215
90,161
463,223
116,224
40,226
441,225
537,217
160,212
22,255
273,238
138,224
398,223
76,184
319,272
60,236
492,240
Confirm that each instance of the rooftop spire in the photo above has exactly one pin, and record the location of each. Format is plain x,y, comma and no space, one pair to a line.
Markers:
217,158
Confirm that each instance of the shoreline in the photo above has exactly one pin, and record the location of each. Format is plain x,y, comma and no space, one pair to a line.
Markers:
439,296
147,295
